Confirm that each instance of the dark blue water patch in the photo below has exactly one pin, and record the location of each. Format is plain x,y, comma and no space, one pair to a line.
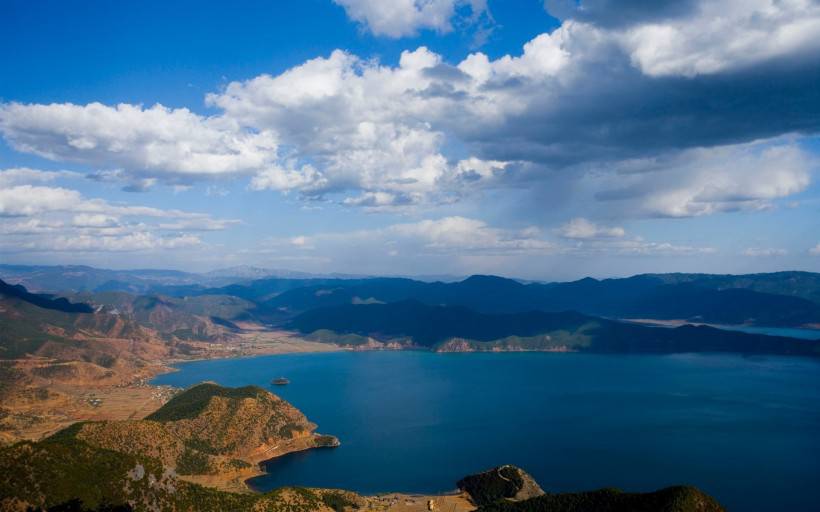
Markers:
746,430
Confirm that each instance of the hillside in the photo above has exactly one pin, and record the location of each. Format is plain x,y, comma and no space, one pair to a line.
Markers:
41,300
33,324
446,328
209,430
42,325
70,475
203,318
63,473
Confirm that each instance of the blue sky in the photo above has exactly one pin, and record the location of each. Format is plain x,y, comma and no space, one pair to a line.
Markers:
545,140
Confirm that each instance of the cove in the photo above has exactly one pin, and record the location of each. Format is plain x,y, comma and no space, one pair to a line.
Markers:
744,430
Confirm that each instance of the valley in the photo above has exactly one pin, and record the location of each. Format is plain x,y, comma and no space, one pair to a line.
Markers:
78,362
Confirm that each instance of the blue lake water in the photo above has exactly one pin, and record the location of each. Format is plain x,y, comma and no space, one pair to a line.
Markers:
746,430
789,332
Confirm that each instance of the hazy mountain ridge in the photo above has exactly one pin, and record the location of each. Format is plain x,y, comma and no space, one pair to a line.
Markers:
636,297
787,299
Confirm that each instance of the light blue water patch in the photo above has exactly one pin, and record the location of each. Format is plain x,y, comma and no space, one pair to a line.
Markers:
745,430
789,332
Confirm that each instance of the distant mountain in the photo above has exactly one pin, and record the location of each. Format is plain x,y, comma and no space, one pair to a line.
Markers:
644,296
75,278
197,317
805,285
58,329
103,328
455,328
81,278
42,300
251,272
781,299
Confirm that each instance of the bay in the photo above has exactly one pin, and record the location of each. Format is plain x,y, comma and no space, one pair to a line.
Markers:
745,430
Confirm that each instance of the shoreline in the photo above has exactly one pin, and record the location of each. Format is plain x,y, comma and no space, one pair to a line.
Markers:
727,327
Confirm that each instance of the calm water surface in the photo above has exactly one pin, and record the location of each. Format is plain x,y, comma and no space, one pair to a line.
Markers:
745,430
789,332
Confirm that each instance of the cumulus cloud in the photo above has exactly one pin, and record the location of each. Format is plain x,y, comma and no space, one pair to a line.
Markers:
362,123
37,218
581,228
815,251
399,18
724,35
24,200
596,93
159,141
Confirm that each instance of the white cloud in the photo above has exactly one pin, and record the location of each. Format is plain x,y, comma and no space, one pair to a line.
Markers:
362,124
815,251
425,132
724,35
462,236
647,248
399,18
43,218
138,241
168,143
97,220
28,200
465,234
706,181
25,200
25,175
582,228
198,223
764,252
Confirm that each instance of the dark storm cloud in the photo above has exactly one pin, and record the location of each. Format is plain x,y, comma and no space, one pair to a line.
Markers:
616,112
617,13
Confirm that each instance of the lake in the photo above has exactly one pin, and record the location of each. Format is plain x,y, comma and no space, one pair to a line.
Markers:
789,332
745,430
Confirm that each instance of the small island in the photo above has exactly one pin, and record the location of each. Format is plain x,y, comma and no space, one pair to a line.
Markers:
280,381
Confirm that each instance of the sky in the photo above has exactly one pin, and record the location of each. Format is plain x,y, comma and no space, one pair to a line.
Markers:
536,139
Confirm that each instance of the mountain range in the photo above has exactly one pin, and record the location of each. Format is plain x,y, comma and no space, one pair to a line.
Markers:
788,299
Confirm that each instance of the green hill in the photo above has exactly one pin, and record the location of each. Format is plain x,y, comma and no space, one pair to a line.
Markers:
208,429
